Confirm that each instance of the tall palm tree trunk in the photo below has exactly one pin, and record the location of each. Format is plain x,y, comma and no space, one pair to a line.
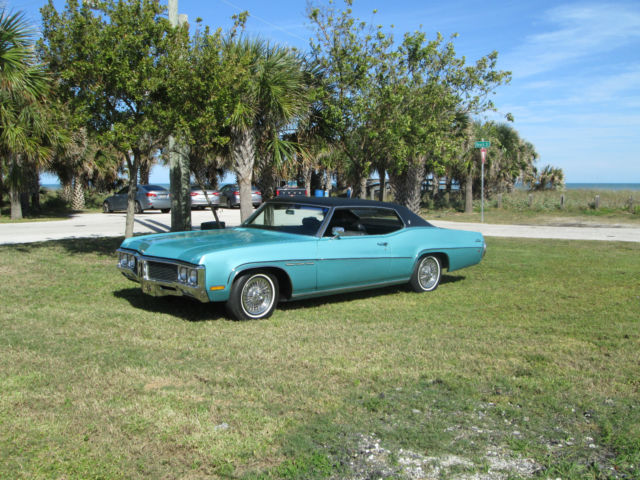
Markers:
266,181
407,185
16,203
244,154
77,199
468,194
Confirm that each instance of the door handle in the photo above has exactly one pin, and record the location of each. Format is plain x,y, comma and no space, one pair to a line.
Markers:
383,244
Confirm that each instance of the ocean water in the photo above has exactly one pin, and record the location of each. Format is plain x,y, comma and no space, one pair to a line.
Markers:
570,186
603,186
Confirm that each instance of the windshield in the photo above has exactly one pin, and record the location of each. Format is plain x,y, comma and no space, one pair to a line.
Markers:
287,217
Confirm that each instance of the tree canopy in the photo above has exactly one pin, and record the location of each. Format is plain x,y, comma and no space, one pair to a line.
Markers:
360,101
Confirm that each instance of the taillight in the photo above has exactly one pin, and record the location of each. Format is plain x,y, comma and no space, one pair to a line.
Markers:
216,194
194,194
151,194
257,193
277,192
236,192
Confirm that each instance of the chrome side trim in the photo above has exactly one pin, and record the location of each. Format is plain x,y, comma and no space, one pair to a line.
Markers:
335,291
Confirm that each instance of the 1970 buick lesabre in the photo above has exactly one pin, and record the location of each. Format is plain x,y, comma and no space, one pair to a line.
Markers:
295,248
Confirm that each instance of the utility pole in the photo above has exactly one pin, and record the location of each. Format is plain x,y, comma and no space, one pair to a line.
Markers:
179,175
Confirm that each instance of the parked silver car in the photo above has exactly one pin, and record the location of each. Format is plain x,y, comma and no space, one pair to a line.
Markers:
230,196
199,200
148,197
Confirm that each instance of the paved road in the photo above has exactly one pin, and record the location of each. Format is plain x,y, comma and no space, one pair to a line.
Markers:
112,225
85,225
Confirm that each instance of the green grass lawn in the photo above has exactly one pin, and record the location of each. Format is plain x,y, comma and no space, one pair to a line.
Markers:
531,358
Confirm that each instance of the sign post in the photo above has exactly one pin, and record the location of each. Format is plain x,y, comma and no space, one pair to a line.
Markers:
482,145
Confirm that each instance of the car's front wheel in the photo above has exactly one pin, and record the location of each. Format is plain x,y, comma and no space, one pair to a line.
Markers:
426,276
254,295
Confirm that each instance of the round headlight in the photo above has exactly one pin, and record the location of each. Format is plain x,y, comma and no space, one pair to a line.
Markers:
193,277
182,274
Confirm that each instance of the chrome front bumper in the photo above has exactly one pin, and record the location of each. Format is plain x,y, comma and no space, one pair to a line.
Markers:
160,277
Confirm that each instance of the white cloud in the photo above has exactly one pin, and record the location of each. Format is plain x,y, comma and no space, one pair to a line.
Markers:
578,32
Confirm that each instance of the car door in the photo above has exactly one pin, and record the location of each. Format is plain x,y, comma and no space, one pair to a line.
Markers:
353,258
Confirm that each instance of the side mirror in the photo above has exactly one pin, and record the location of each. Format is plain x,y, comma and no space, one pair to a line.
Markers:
337,231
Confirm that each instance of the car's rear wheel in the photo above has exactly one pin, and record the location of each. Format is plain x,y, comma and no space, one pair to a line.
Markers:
165,210
426,276
254,295
138,208
106,208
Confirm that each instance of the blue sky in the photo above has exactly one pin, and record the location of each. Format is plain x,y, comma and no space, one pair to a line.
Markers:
575,92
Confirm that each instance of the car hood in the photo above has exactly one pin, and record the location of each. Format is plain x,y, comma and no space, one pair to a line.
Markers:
192,246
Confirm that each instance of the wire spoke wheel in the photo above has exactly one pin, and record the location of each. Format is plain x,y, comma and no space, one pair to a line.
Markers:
426,276
253,296
257,295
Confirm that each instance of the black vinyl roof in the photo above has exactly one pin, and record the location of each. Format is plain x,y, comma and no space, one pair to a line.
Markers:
409,218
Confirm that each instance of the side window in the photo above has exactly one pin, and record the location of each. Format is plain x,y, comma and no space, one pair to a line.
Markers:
365,221
123,191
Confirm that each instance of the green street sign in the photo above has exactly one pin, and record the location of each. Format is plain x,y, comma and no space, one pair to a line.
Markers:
483,144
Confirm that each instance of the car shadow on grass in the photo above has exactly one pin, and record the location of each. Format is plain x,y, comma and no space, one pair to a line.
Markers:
360,295
180,307
194,311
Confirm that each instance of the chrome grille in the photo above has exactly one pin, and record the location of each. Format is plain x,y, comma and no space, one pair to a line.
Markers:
162,272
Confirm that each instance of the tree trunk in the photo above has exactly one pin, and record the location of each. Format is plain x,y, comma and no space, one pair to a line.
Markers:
16,204
306,178
468,194
77,200
383,184
435,191
1,191
33,202
406,185
24,202
131,197
66,192
145,170
243,154
179,177
266,178
363,187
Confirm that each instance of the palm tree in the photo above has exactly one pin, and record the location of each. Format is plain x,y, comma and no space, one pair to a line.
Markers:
549,178
267,93
24,129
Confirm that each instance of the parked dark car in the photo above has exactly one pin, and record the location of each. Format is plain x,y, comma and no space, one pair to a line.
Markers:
199,200
148,197
230,196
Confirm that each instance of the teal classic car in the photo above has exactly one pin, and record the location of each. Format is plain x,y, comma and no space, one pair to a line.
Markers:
296,248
